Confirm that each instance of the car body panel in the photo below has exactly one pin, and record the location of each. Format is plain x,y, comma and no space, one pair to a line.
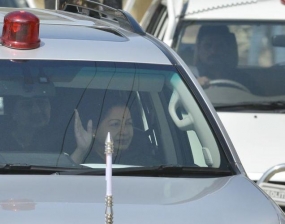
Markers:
100,52
86,50
263,135
74,199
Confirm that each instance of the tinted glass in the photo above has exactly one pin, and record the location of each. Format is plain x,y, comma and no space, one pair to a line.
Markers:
58,113
242,60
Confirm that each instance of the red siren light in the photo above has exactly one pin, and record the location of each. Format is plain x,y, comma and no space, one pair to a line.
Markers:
21,30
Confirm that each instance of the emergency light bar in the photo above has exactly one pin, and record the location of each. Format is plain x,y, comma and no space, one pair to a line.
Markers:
21,30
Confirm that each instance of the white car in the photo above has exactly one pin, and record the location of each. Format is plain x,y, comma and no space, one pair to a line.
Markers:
250,96
102,122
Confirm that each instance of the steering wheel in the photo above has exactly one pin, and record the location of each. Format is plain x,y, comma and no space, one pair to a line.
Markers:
226,82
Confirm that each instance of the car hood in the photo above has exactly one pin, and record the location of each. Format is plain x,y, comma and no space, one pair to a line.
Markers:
81,199
258,139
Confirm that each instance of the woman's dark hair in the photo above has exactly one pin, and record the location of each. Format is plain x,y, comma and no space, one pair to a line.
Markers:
97,104
114,99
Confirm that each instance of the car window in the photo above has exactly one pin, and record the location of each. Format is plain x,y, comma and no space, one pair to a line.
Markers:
13,3
253,41
159,21
162,124
257,62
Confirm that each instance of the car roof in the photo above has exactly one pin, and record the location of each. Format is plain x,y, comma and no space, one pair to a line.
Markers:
71,36
235,10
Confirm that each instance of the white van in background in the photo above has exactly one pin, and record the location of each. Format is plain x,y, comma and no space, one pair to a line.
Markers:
252,104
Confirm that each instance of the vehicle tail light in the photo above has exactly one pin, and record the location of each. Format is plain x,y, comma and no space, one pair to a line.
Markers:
21,30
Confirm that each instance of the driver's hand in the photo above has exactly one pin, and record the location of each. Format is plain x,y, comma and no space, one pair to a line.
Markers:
204,81
83,137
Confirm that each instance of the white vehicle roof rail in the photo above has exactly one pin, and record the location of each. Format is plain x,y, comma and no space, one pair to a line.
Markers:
100,11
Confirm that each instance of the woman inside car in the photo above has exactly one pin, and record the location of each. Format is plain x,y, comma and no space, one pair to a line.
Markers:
131,146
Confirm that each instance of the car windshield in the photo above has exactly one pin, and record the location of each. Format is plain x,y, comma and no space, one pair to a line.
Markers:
58,114
239,64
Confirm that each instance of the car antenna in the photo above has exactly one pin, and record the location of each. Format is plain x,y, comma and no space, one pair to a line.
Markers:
109,149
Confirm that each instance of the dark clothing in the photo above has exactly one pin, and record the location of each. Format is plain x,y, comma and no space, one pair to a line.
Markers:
127,157
139,153
43,141
233,74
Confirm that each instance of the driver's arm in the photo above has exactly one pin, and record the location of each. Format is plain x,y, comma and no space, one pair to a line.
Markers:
204,81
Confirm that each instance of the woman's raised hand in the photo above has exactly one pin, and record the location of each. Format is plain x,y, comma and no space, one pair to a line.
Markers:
83,138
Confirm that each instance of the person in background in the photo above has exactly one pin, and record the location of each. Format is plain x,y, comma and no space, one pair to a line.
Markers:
216,54
29,117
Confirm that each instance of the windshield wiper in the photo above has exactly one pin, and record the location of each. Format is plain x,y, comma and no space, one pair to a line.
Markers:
23,168
155,171
272,106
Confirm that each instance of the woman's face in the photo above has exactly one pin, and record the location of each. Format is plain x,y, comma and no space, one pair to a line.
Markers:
119,123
